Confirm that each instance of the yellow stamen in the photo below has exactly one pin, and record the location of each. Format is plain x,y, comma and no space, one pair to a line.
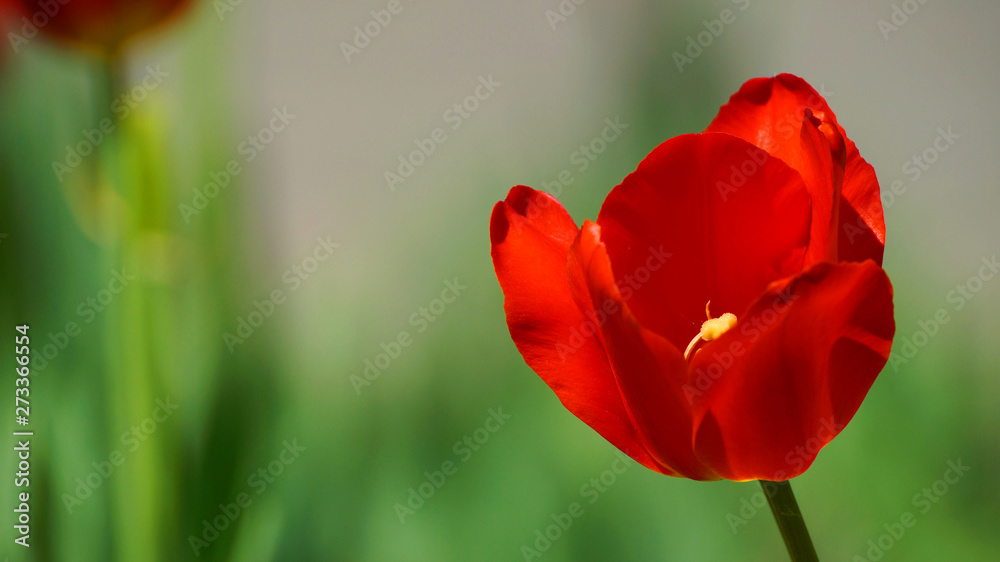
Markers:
711,329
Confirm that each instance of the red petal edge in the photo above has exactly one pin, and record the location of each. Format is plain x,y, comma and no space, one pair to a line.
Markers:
531,235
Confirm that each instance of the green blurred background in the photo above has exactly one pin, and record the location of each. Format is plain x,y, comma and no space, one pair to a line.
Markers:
340,459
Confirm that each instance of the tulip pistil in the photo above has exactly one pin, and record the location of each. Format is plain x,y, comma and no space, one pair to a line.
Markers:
710,329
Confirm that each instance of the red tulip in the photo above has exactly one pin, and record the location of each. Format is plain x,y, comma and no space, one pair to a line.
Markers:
102,24
769,223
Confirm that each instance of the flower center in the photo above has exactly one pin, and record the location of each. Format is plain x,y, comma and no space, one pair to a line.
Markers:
710,329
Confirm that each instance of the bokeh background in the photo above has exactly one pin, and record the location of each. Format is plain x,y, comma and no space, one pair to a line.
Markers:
354,452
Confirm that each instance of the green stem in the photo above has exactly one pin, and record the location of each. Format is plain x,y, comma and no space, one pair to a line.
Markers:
790,522
138,495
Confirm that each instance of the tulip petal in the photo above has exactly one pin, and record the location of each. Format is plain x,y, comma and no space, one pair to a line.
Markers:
103,24
731,218
648,368
531,235
770,113
783,382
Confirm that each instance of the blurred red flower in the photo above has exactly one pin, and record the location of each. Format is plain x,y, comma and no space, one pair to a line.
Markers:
773,217
102,24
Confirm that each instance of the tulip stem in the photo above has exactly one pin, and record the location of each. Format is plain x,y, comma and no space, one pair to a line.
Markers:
790,521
